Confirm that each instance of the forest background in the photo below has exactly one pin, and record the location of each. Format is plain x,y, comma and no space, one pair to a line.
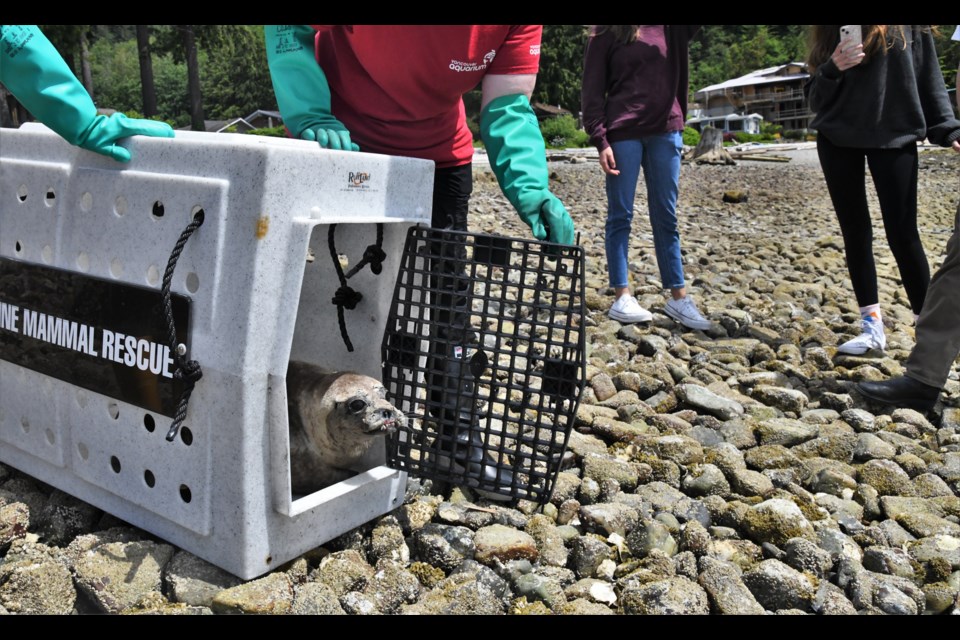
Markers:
185,74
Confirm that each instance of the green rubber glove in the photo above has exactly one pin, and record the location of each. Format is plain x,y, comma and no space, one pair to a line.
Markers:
37,76
301,87
518,158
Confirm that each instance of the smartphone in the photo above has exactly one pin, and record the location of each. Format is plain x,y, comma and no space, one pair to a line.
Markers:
850,35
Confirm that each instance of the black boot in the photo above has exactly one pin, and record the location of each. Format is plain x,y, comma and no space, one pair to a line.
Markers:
451,381
902,392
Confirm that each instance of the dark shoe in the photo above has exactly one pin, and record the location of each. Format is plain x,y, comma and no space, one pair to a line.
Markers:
451,383
471,460
902,392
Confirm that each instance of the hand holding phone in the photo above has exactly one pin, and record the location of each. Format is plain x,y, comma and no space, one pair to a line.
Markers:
849,52
850,36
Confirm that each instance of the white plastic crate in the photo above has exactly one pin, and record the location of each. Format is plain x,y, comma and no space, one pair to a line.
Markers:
221,489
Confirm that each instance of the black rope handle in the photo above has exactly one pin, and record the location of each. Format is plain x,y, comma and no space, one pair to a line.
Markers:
187,370
345,297
372,255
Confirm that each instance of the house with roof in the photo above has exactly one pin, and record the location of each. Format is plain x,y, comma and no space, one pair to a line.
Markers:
259,119
235,125
264,119
544,111
728,123
774,94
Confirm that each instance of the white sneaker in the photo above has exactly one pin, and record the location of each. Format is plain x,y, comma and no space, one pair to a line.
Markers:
872,337
686,313
627,309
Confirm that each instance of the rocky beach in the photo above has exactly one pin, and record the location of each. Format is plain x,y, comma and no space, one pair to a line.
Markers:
732,471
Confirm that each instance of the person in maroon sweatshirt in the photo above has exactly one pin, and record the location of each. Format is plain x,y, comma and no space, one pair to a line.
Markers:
634,103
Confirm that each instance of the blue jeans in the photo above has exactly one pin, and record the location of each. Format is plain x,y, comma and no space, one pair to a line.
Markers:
659,155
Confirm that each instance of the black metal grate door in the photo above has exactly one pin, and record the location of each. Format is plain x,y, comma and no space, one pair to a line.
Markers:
484,353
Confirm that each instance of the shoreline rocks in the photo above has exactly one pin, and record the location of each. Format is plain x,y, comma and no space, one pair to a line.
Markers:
735,471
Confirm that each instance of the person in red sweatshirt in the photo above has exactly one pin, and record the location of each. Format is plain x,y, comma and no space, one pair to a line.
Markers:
397,90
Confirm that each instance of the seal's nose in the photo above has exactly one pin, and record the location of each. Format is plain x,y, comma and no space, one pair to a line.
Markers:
390,420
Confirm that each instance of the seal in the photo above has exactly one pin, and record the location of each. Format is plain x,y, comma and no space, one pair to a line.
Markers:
335,419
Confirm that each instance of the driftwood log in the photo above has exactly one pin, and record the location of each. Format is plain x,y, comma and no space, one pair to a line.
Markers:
759,157
710,149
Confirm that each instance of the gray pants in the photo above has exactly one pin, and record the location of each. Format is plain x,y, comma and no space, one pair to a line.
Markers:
938,329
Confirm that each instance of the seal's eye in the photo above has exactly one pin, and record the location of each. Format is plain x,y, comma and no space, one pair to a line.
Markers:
357,405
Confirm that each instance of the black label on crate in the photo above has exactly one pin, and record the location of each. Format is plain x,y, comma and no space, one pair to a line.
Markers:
105,336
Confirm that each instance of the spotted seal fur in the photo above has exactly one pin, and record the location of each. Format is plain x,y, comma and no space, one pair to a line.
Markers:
335,418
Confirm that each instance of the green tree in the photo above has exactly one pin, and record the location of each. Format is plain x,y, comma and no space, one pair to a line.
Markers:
184,42
559,77
12,113
758,47
116,71
708,61
948,51
115,67
561,66
148,88
189,38
73,42
793,38
236,79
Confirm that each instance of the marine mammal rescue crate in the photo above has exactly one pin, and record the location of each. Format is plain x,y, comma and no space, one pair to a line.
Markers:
87,377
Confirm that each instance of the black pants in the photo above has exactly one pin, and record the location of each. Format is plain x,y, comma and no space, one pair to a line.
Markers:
452,374
894,174
451,202
450,302
451,197
938,332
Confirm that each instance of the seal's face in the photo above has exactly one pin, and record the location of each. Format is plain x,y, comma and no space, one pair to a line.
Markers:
336,419
370,409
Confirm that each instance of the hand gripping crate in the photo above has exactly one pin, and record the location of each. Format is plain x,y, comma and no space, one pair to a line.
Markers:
87,392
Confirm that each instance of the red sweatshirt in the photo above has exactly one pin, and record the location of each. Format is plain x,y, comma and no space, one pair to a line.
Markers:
398,88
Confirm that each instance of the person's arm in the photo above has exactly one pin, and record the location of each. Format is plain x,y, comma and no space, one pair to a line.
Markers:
35,73
593,91
943,128
301,87
824,83
511,135
593,95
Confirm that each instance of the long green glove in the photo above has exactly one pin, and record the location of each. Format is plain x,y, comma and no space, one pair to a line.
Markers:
37,76
518,158
301,87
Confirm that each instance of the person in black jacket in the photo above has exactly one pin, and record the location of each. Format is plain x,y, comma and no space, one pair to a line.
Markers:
938,332
875,101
